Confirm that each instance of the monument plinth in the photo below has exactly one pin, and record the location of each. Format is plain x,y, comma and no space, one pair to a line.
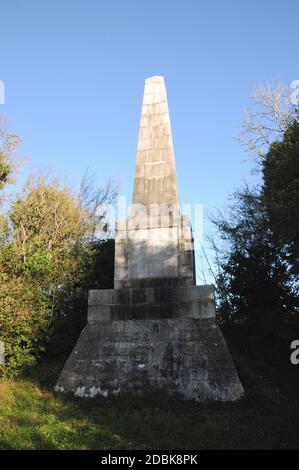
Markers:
156,328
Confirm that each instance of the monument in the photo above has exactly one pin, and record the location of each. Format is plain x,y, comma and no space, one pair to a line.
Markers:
156,329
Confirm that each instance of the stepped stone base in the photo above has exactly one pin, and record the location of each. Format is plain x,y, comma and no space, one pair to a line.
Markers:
158,337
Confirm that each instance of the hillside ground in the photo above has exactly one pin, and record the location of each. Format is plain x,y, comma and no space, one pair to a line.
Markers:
33,417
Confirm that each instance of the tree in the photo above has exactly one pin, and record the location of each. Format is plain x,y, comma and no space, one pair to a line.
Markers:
281,192
46,260
257,266
8,145
39,260
271,114
254,280
47,226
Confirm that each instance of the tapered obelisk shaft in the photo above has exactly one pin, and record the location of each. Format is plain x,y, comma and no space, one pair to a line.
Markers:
155,178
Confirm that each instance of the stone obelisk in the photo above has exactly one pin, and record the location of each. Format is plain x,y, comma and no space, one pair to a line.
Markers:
161,251
156,328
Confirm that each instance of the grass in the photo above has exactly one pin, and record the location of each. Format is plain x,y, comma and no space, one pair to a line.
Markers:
32,417
35,419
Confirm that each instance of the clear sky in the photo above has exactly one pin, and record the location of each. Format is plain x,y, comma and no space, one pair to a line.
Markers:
74,72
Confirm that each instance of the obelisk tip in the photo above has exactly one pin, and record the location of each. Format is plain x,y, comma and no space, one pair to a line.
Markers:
155,79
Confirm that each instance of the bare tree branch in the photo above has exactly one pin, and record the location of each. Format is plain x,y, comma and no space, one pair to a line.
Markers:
272,113
96,201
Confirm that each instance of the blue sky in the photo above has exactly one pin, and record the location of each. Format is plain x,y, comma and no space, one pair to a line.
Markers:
74,72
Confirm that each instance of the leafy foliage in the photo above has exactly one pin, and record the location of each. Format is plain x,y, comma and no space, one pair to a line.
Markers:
8,145
253,283
257,267
46,264
25,316
281,192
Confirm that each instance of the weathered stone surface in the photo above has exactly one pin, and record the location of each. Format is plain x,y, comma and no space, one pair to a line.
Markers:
155,178
152,295
156,328
158,337
156,242
188,357
154,253
151,302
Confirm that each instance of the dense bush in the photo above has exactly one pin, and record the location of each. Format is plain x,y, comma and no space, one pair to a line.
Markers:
25,319
47,258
